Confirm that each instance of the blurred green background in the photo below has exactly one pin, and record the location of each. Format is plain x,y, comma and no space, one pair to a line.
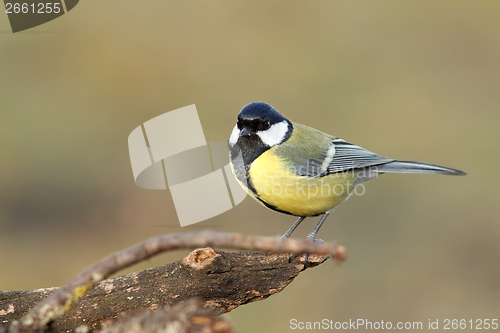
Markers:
414,80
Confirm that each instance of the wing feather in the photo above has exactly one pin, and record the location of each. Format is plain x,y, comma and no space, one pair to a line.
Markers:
348,156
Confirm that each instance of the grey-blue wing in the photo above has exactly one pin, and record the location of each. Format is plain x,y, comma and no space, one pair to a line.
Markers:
348,157
340,156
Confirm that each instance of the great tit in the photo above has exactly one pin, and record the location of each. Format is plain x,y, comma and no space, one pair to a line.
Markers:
298,170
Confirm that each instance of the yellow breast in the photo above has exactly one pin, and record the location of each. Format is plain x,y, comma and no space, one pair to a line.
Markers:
298,195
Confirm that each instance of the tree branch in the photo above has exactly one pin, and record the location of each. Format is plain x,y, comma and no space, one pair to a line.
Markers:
188,316
223,280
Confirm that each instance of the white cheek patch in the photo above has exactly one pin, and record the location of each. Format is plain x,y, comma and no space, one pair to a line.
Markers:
274,135
234,136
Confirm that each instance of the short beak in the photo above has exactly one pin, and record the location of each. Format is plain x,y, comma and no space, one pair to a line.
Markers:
245,132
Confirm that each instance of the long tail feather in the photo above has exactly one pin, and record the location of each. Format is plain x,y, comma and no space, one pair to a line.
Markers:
416,167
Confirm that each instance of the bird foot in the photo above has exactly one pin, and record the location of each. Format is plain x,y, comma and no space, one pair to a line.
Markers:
312,239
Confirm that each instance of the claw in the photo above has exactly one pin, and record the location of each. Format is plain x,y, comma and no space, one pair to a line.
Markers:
311,238
306,258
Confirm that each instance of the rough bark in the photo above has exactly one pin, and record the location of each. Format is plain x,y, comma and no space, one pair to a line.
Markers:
221,280
188,316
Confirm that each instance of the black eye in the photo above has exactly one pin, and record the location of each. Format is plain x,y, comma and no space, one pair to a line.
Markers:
267,124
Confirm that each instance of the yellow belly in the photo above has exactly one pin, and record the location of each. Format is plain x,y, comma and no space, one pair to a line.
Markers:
298,195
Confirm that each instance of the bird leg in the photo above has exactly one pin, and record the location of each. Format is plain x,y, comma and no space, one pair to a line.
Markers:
312,236
293,227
